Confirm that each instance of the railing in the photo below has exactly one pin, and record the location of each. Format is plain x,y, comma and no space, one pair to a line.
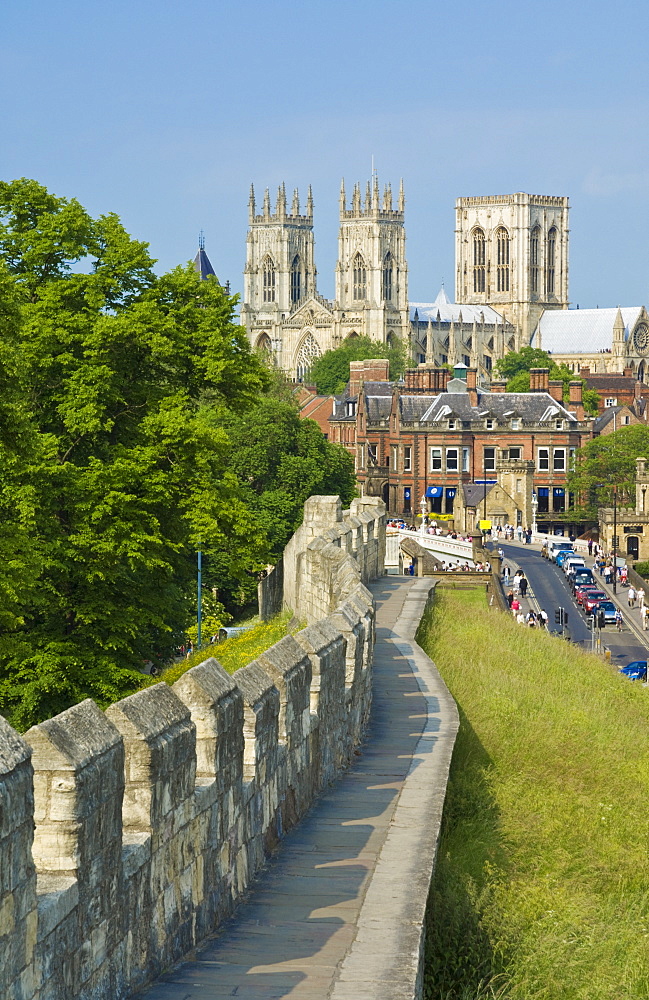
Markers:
457,549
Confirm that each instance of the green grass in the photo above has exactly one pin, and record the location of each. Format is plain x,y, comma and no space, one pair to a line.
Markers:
541,890
237,651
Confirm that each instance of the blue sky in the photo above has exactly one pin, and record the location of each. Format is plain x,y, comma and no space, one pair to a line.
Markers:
166,112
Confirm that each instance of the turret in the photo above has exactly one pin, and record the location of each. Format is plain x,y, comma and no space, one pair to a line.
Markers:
251,205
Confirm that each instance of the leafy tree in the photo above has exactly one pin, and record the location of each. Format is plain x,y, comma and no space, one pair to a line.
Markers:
516,365
281,460
605,463
330,372
119,465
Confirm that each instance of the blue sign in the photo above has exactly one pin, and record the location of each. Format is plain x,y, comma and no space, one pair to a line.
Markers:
406,493
450,492
484,482
434,491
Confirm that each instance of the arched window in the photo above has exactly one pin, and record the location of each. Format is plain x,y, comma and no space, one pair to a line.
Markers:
268,268
264,343
502,270
306,355
360,278
296,279
479,283
549,261
352,335
387,277
535,236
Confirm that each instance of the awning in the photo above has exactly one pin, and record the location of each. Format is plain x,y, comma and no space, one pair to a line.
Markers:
434,491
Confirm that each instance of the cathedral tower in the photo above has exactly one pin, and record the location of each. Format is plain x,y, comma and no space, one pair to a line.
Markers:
280,268
372,272
512,254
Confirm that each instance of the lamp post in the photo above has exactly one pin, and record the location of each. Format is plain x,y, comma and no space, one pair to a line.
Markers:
199,612
535,507
615,539
424,510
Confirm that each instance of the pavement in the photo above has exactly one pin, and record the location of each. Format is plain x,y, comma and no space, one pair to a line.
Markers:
303,931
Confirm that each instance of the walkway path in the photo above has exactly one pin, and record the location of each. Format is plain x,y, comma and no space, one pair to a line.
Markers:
301,933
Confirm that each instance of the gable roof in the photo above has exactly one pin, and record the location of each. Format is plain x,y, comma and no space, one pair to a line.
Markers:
202,265
581,331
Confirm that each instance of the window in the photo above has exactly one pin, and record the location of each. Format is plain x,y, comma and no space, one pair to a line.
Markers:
371,454
465,460
407,459
361,456
534,258
360,278
296,280
519,485
308,352
502,270
610,401
559,461
543,460
451,460
489,424
268,270
486,360
516,424
489,459
571,454
451,425
466,360
514,452
435,459
627,420
558,424
387,277
351,408
406,500
549,261
395,457
479,280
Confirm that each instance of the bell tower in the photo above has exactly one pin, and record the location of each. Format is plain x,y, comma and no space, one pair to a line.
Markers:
372,271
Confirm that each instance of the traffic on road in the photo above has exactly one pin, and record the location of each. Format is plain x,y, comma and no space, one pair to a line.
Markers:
568,589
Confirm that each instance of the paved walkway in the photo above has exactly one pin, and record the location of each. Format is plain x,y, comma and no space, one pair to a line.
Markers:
301,933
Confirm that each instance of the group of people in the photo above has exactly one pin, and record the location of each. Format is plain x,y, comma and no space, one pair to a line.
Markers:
508,532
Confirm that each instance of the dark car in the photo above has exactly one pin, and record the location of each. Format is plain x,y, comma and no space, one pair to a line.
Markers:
577,578
636,671
583,589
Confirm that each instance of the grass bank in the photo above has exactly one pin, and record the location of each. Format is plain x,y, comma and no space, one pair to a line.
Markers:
239,649
542,883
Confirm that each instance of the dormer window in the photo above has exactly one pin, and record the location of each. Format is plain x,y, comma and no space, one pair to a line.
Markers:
451,424
489,424
558,424
516,424
351,408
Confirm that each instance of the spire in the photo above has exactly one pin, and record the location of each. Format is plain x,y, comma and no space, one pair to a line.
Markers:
266,204
429,344
280,208
343,198
309,203
251,205
201,260
618,326
368,199
387,198
295,207
402,199
356,199
201,240
375,194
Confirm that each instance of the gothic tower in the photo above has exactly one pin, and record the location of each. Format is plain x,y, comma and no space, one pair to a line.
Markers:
372,272
512,254
280,267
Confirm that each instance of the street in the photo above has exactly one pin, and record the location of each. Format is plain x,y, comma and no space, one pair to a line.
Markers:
549,589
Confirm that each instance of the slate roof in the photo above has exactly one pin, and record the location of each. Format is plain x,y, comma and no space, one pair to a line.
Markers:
445,310
606,417
202,265
581,331
474,493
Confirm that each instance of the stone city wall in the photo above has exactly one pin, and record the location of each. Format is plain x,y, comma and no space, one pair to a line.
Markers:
126,836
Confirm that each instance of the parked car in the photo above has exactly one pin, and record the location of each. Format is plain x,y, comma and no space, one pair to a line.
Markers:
583,589
580,576
554,548
571,562
636,671
593,600
609,610
560,557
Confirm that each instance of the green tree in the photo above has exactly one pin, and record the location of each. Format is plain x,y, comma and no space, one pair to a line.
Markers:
281,460
330,372
124,377
516,365
605,463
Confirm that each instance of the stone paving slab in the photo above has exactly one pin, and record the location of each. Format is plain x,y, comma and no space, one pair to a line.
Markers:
303,932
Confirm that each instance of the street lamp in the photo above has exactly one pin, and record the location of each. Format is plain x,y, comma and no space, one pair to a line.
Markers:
615,539
424,510
535,507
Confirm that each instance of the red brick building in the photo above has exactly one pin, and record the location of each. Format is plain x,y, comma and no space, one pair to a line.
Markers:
443,437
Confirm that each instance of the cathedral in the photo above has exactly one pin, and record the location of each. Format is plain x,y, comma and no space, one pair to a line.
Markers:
511,263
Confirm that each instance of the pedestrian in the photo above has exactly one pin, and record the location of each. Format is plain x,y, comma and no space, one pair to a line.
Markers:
590,546
631,597
520,618
543,615
501,552
510,598
529,536
506,574
519,532
645,618
641,598
516,606
522,583
607,575
618,619
624,572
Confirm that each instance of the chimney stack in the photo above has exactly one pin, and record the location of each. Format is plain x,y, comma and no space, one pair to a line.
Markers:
498,385
372,370
539,379
472,385
556,390
576,399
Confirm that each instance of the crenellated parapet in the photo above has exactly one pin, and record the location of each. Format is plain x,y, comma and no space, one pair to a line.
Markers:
127,836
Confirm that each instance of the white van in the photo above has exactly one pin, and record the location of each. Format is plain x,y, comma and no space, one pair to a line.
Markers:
559,546
571,562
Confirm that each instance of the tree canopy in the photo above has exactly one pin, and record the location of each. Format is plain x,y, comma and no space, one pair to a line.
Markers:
607,463
126,403
330,372
516,366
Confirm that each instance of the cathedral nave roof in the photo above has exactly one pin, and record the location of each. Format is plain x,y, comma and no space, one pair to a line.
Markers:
581,331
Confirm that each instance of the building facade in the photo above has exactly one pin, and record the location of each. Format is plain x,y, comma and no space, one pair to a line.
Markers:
602,341
627,529
511,253
445,438
282,310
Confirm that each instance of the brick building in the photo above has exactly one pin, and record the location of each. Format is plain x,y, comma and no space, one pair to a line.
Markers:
441,436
